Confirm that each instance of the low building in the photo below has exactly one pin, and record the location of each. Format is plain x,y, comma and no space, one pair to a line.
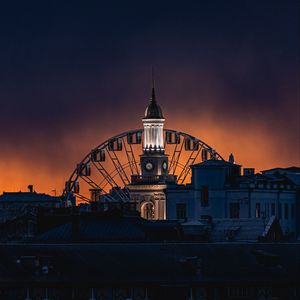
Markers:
109,226
18,212
218,190
13,204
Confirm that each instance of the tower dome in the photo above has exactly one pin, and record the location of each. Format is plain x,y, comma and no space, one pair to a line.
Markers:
153,110
153,127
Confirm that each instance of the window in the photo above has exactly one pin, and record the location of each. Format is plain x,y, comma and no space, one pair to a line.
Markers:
286,211
279,211
147,211
204,196
273,209
257,210
234,210
180,210
292,211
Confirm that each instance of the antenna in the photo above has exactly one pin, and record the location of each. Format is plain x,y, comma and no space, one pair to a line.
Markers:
153,98
152,73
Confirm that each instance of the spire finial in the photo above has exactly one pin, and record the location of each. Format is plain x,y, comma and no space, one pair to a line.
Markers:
153,98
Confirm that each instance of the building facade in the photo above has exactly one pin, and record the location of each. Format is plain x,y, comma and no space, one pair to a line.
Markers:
219,190
14,204
19,210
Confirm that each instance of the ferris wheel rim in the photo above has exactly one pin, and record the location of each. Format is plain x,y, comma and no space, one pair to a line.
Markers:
88,157
124,133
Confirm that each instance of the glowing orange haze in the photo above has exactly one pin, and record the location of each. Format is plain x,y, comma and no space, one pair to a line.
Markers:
254,145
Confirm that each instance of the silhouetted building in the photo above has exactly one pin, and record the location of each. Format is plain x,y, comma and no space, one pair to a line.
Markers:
13,204
19,210
218,190
110,226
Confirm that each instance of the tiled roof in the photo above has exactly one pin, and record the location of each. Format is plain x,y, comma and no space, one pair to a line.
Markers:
237,229
114,229
89,230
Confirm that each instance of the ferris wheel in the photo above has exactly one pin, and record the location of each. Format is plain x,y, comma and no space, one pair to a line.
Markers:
106,171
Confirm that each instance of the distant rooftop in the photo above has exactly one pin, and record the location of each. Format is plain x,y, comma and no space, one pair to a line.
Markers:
214,163
97,227
289,169
27,197
265,178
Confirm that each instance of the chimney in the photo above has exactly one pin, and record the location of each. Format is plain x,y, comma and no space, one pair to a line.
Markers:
231,158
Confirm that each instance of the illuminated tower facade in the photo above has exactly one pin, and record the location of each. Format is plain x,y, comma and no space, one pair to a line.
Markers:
147,189
153,127
154,162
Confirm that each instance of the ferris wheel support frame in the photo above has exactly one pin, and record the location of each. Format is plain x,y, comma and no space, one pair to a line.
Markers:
131,163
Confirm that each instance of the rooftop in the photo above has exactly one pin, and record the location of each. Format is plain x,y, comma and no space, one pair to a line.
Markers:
27,197
153,110
214,163
292,169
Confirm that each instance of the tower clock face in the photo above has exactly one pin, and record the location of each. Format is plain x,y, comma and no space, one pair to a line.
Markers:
164,165
149,166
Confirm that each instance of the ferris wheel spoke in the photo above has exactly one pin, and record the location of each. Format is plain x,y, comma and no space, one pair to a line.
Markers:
175,158
186,169
83,198
90,182
118,166
106,176
172,159
131,158
116,159
109,180
94,186
123,195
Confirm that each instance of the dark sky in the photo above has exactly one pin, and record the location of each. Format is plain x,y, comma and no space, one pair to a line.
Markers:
73,74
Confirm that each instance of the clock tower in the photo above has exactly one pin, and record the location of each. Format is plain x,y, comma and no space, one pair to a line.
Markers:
147,188
154,161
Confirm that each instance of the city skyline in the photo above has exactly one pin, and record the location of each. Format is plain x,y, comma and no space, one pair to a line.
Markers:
72,84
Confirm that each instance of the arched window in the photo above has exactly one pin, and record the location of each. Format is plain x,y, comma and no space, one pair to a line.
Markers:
147,211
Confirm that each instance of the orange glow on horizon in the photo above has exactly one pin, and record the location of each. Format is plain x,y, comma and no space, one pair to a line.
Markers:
253,145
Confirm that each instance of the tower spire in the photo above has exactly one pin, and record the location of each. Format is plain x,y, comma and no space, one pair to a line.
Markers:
153,98
153,110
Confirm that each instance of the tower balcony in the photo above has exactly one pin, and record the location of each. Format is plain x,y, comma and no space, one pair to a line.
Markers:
157,179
